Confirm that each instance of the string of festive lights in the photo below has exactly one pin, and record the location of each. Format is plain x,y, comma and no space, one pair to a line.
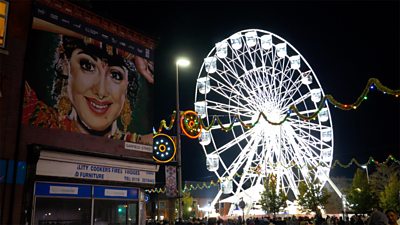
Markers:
204,185
372,84
163,124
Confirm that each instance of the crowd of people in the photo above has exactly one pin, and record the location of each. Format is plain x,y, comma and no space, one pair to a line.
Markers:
376,217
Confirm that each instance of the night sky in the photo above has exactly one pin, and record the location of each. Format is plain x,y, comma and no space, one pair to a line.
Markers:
344,42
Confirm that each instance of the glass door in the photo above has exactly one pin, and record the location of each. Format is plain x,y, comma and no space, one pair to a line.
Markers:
115,212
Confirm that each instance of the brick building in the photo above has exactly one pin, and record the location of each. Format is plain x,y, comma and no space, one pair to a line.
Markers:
93,162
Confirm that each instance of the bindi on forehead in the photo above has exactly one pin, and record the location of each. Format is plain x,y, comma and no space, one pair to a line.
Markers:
103,63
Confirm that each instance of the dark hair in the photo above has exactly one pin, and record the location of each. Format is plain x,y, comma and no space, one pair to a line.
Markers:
390,210
102,51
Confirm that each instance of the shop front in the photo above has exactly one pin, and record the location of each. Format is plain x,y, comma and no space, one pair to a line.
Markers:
73,203
72,189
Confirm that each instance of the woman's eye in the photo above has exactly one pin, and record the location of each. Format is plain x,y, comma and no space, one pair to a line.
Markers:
116,75
87,65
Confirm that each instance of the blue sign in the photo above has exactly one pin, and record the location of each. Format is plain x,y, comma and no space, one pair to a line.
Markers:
115,193
63,190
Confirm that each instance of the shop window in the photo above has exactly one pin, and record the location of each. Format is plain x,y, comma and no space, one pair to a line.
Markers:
115,212
62,211
3,22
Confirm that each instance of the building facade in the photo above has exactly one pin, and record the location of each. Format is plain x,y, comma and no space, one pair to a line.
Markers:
75,117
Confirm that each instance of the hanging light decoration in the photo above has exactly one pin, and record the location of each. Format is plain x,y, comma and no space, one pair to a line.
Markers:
163,148
190,124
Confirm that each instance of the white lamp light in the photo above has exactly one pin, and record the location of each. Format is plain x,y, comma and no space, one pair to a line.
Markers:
183,62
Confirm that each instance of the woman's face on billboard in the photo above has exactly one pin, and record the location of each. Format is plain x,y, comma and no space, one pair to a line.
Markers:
97,90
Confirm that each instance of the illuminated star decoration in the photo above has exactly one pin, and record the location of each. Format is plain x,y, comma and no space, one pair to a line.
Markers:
164,149
190,124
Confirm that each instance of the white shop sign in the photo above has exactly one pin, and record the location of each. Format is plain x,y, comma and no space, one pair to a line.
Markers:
138,147
95,172
63,190
115,193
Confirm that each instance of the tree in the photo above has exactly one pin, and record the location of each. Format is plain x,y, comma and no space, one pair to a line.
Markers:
187,205
272,199
380,178
312,197
334,204
360,196
389,198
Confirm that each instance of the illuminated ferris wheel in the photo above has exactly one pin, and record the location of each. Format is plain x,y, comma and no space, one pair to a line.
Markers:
250,72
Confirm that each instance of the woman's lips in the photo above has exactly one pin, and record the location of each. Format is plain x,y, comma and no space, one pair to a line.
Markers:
98,107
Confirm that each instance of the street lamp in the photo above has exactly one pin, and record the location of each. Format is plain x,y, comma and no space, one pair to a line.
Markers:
180,62
366,169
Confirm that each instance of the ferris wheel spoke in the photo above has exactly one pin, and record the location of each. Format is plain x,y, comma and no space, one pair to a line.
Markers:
304,131
306,144
306,124
246,167
297,101
227,92
302,152
237,55
291,181
233,142
230,72
243,157
225,88
285,66
229,109
289,94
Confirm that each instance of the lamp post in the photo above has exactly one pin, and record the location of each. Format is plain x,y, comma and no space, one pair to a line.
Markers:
180,62
366,169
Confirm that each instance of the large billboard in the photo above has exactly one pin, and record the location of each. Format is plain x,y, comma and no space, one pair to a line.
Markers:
82,78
